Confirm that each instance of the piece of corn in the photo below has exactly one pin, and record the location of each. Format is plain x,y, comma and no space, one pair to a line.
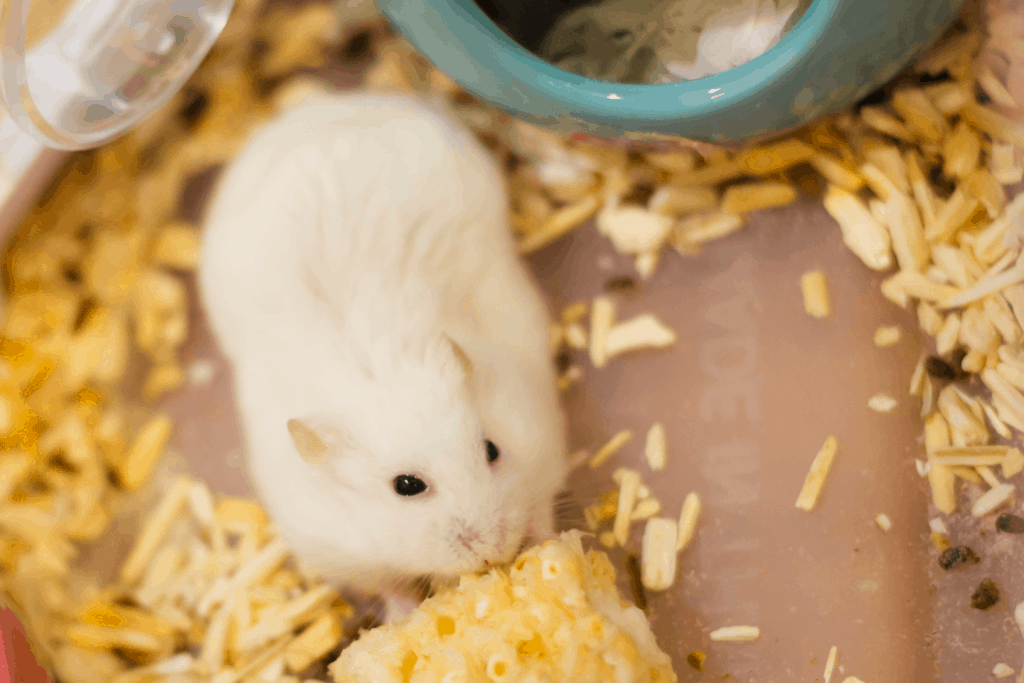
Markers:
988,475
955,212
145,450
961,152
741,199
984,187
1002,670
694,231
992,499
965,427
154,529
830,663
633,230
861,232
920,114
688,517
673,200
611,448
316,641
562,597
836,172
560,223
1013,463
602,317
884,122
887,336
658,557
882,403
576,337
177,246
645,509
775,157
656,449
735,634
815,479
972,456
815,291
624,511
1004,164
641,332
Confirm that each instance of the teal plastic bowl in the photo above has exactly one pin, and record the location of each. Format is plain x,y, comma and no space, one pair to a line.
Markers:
837,53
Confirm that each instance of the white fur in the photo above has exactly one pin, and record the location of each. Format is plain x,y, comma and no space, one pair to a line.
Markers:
734,36
344,248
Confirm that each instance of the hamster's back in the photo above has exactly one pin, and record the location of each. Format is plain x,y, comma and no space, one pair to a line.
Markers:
338,192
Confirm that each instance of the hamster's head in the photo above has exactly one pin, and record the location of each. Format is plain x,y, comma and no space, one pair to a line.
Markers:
428,489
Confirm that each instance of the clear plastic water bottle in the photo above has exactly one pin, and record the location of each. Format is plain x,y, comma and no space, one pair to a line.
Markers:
106,65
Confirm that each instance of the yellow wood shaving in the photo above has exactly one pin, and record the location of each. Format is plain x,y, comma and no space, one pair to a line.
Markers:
815,479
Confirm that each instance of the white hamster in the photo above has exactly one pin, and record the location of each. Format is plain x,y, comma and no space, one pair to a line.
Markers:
389,350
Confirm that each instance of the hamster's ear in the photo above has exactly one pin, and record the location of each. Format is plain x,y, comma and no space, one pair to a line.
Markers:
308,442
467,365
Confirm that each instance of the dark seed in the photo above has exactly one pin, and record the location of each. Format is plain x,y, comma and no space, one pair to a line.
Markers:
87,307
464,99
940,181
1010,524
72,274
620,284
126,601
696,660
874,97
939,368
986,595
193,107
807,180
949,370
264,86
924,79
640,195
147,158
635,584
563,361
60,463
356,48
957,558
260,47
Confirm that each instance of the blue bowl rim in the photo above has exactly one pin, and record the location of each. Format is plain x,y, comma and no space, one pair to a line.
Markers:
486,45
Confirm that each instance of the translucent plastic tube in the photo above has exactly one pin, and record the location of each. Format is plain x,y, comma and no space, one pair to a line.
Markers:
106,65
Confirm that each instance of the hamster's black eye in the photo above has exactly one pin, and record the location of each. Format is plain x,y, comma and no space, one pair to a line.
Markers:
492,452
408,485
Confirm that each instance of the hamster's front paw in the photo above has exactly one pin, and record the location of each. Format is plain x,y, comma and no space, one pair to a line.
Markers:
399,605
540,527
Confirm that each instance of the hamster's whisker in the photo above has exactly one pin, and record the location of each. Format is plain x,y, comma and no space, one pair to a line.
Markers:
562,504
588,490
601,484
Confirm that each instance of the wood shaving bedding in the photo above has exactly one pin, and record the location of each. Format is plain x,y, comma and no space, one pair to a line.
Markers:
951,253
